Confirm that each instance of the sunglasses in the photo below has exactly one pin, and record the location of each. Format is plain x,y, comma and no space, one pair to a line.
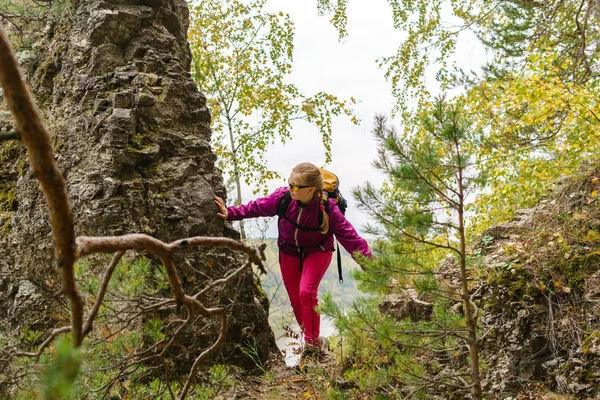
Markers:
295,188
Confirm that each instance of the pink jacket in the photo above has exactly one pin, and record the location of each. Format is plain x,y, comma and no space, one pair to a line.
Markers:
291,239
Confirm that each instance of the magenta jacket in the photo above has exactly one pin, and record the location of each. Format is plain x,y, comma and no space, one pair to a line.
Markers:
291,239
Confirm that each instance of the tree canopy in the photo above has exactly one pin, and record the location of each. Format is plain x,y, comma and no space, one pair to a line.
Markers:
536,97
242,58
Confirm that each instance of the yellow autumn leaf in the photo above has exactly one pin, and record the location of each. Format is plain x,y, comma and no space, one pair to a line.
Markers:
592,236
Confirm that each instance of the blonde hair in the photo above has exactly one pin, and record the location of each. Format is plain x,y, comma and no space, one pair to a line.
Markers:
311,176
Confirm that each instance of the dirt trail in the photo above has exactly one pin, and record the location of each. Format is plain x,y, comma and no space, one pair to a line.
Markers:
284,382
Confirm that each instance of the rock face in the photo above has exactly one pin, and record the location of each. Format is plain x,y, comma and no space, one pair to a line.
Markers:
541,299
537,287
406,305
132,137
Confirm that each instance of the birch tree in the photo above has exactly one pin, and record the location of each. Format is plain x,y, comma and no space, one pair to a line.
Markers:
242,59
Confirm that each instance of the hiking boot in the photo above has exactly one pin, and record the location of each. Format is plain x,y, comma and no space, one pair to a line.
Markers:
310,352
314,354
323,344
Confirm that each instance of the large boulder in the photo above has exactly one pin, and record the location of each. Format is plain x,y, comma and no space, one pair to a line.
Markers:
132,136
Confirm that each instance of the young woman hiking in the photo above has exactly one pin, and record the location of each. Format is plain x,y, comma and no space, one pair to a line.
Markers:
305,248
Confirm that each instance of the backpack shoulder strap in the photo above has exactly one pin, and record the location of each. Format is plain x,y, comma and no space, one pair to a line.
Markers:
282,207
342,207
342,203
283,204
339,262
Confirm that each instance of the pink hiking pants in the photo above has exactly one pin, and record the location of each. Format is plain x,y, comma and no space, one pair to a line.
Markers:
302,287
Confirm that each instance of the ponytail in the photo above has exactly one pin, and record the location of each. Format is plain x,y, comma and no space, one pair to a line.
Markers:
325,225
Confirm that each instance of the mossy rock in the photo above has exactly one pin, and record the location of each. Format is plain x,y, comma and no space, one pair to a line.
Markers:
5,227
8,199
578,268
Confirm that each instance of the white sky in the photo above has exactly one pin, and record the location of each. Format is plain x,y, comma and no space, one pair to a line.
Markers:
345,69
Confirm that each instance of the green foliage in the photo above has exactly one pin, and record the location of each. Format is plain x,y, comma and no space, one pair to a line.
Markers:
540,127
154,328
60,375
102,365
8,200
5,228
250,349
242,57
381,352
335,394
140,275
430,172
221,378
511,39
521,28
511,29
31,336
26,19
536,100
339,18
419,216
10,153
30,8
88,281
112,342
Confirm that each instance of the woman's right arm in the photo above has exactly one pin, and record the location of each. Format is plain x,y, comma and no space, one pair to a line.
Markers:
261,207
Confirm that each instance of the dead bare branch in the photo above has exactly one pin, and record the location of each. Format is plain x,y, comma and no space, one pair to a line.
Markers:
101,292
88,245
41,158
45,344
206,352
12,135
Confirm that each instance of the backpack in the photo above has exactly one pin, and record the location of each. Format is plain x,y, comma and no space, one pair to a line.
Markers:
330,191
331,185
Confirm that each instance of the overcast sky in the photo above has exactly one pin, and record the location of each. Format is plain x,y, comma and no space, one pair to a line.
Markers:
345,69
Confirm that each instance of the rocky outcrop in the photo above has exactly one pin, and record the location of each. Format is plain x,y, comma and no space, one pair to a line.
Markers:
132,137
536,282
541,299
406,304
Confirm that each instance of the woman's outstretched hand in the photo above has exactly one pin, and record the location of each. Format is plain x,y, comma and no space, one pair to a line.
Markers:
222,208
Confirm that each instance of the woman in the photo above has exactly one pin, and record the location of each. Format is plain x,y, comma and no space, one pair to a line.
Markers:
305,247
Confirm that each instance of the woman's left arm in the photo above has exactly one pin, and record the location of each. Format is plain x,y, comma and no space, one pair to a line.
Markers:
345,232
